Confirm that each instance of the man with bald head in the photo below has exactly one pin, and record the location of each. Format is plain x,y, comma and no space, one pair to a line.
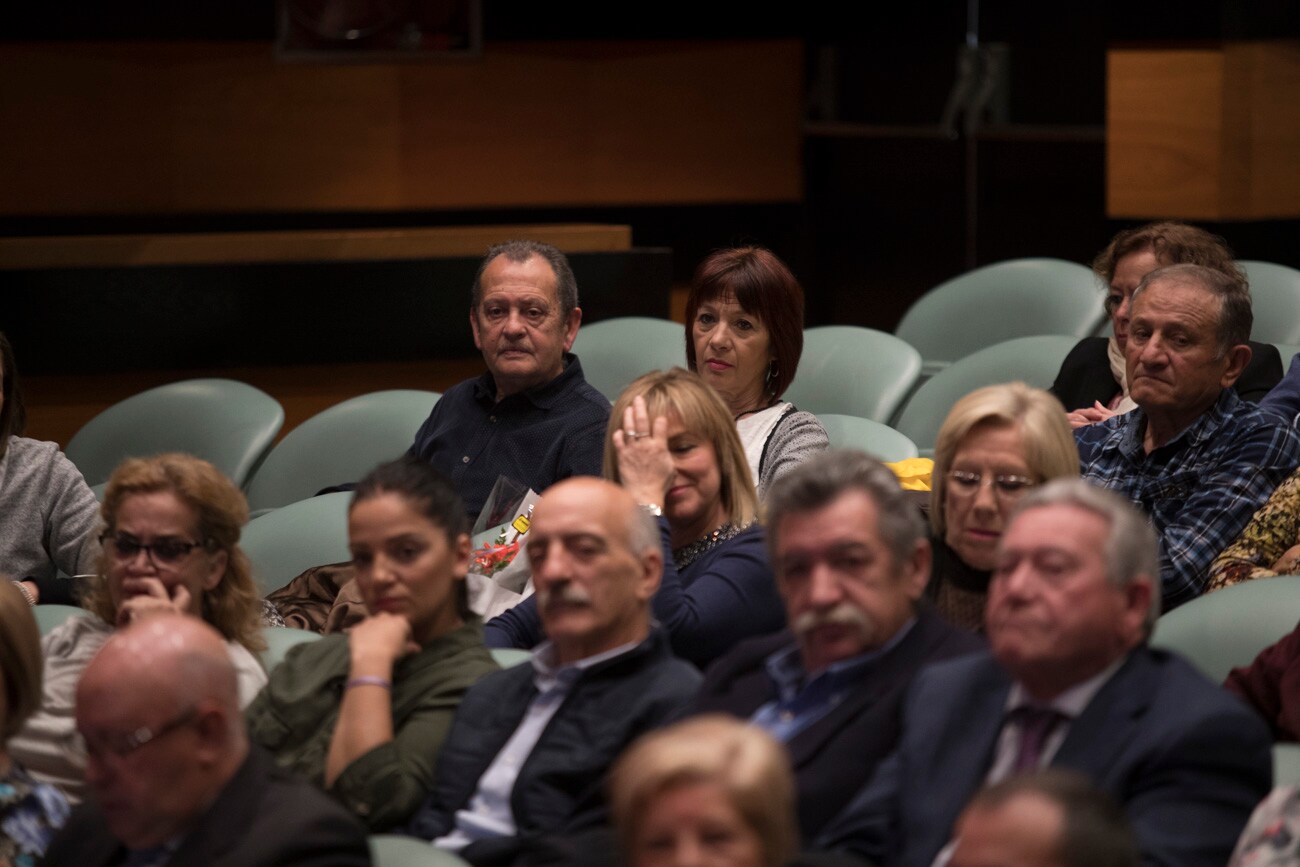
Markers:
172,777
525,762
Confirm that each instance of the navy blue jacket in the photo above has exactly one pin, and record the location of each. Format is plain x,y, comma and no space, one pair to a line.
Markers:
725,595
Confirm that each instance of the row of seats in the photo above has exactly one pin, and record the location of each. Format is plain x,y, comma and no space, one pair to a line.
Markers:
1023,297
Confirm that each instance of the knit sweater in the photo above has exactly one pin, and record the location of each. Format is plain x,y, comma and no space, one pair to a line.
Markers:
48,517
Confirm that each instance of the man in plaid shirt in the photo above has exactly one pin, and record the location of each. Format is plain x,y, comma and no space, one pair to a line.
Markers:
1193,455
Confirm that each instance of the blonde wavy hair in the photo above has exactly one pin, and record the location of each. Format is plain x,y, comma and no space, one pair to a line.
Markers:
743,760
234,606
682,393
1045,435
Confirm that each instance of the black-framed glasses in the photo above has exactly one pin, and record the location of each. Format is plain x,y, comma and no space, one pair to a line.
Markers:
164,552
1005,485
122,744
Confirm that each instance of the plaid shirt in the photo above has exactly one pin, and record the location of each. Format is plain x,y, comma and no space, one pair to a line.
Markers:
1201,488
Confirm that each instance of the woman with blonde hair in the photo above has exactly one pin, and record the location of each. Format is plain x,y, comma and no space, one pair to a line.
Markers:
170,544
708,792
30,812
672,444
995,444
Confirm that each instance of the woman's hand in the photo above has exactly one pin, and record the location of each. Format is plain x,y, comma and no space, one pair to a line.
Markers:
1089,415
379,641
645,465
1289,562
151,597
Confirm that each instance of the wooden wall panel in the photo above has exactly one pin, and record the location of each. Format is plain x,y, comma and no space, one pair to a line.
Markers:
1205,133
1163,133
213,127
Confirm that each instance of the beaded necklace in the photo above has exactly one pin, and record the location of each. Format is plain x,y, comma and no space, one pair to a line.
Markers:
687,554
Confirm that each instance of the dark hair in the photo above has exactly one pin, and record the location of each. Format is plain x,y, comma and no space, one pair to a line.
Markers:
764,287
1171,243
13,415
566,286
1094,830
428,492
1235,317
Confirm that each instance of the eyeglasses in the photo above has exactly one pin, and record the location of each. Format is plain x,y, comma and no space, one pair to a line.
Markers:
123,744
163,552
1007,487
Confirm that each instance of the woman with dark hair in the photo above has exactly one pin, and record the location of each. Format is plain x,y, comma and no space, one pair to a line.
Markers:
171,544
744,336
363,715
47,512
1093,380
30,812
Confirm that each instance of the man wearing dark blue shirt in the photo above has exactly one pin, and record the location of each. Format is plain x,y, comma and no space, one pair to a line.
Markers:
851,561
532,417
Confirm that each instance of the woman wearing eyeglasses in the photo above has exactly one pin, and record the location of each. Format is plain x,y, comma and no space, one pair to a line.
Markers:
171,543
995,444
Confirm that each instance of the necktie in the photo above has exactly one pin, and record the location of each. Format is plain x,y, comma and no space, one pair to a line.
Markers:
1036,725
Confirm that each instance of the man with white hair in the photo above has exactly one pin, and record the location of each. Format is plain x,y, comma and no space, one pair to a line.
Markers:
172,777
1070,682
524,765
851,561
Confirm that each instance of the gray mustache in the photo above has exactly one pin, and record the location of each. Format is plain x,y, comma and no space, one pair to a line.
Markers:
568,594
843,614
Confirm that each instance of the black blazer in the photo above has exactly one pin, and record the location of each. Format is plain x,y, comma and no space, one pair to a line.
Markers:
1085,374
263,817
834,757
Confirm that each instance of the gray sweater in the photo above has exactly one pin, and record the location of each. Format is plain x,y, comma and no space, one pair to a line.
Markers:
48,515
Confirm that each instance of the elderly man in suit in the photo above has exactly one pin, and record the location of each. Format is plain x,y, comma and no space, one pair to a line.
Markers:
851,562
172,776
1069,683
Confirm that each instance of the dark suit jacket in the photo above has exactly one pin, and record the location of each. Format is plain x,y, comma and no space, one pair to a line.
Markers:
834,757
262,817
1185,760
1085,374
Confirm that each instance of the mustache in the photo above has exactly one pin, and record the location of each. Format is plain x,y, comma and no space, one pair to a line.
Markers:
564,594
842,614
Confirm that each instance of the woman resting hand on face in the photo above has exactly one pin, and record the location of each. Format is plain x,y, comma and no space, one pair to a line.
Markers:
671,443
171,544
363,715
744,336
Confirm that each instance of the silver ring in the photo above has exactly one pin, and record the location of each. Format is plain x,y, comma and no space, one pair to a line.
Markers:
631,434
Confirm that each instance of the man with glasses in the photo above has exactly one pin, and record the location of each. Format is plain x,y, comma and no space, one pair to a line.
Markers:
851,561
1193,455
1069,682
172,776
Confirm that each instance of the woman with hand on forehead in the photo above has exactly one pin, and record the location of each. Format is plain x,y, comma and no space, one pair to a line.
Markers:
170,544
672,445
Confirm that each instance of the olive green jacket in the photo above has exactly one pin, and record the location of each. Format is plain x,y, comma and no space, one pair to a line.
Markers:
295,715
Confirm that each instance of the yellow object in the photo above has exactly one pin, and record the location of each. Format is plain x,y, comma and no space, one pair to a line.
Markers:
913,473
